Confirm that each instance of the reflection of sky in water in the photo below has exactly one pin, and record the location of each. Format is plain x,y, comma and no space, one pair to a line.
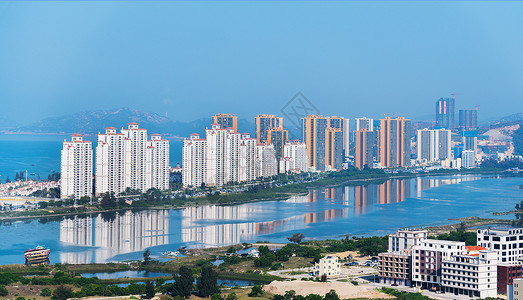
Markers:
373,209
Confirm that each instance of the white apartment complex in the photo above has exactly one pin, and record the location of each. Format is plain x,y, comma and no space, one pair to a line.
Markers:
473,275
129,160
76,168
403,240
328,265
427,258
508,243
433,145
225,156
294,158
364,123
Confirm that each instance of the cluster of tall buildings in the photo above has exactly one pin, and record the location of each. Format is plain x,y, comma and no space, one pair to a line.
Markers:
475,271
125,159
227,156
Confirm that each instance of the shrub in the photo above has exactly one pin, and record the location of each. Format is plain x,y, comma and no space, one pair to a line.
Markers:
256,291
3,291
46,292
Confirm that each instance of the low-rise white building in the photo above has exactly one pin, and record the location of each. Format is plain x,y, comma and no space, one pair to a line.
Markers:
329,265
473,275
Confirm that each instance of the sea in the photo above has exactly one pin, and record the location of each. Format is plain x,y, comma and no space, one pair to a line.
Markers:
39,155
365,210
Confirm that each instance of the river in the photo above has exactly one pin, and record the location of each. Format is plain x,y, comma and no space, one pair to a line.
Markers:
372,209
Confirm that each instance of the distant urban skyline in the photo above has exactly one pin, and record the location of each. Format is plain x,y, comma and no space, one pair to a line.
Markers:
192,60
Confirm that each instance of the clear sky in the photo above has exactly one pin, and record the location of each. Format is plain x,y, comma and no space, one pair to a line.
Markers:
191,60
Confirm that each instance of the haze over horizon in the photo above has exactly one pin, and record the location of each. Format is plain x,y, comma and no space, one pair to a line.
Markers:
191,60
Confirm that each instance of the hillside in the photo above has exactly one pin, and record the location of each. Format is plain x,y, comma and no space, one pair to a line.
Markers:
92,122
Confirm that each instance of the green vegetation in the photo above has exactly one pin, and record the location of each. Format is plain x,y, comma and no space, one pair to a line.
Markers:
365,245
62,292
492,164
404,295
517,139
460,235
207,284
183,283
256,291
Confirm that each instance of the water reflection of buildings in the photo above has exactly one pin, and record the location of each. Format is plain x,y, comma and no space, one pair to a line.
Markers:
425,183
113,234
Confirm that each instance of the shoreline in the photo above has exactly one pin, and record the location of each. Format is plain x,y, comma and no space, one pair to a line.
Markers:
194,202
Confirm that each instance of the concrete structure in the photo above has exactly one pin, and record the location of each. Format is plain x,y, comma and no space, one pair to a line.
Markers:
470,141
468,118
327,141
247,162
266,163
433,145
468,159
329,265
265,122
278,137
445,113
403,240
364,123
508,243
294,158
472,275
226,121
427,259
394,268
364,141
517,289
394,142
194,161
129,160
506,276
76,168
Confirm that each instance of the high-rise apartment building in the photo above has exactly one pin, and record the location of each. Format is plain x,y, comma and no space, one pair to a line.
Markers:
278,137
158,162
194,161
76,168
226,121
264,123
470,141
334,155
364,123
129,160
314,127
364,141
433,145
468,159
468,118
226,156
324,136
445,112
394,142
294,157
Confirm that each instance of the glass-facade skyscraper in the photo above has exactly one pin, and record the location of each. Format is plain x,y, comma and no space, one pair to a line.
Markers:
445,113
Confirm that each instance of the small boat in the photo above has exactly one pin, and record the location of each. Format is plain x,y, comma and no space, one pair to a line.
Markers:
171,253
36,254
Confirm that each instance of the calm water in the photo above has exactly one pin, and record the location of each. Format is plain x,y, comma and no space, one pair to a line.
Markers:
374,209
40,154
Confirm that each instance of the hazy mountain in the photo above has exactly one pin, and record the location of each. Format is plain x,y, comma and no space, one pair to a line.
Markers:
507,119
92,122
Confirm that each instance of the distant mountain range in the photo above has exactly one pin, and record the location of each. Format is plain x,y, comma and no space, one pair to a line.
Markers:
92,122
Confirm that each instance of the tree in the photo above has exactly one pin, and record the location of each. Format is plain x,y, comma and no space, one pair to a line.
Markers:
232,296
146,257
183,283
231,250
3,291
296,238
108,200
331,295
62,292
323,278
290,295
216,297
46,292
149,290
256,291
208,283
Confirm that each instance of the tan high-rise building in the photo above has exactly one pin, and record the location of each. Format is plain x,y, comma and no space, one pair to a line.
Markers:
363,140
394,142
334,148
327,141
226,121
264,123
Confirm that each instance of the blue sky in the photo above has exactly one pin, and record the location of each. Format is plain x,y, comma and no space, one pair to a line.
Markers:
191,60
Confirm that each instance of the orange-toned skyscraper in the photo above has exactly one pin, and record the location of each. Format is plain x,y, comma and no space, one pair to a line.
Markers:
363,142
226,121
264,123
394,142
